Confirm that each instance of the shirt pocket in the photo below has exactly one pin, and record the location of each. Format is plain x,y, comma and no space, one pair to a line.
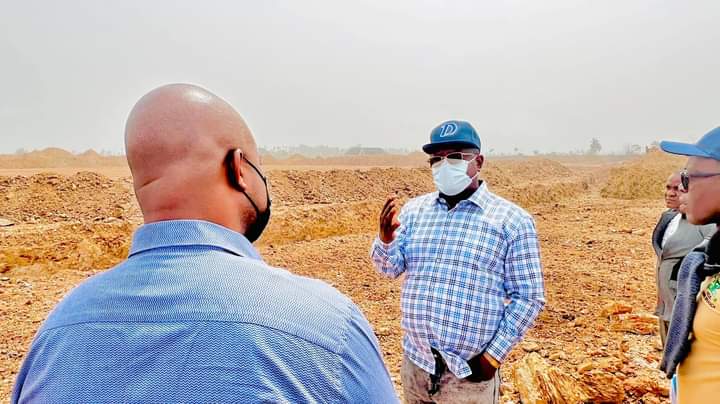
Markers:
487,249
422,247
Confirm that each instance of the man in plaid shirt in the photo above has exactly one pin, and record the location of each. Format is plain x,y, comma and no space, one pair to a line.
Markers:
473,280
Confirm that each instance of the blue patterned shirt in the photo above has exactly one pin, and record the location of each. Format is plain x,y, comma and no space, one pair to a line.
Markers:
461,268
195,316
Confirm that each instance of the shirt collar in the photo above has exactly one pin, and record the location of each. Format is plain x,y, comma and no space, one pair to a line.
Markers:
480,197
177,233
676,213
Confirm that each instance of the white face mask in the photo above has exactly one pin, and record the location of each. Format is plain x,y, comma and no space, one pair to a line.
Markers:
451,179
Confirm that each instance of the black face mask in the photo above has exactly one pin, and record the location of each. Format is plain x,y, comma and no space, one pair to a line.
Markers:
255,229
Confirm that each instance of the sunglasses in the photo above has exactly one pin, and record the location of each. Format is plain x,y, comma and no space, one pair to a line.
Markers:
452,158
685,178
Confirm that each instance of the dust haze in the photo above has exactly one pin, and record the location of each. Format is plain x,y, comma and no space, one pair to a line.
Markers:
533,76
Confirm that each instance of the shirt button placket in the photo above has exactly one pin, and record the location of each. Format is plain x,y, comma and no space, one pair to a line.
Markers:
444,235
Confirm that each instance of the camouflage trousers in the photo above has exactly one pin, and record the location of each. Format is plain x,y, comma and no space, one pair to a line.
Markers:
416,383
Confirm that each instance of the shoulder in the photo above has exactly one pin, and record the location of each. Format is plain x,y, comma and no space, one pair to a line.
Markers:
512,217
233,290
308,308
323,296
664,219
415,205
74,306
421,201
327,318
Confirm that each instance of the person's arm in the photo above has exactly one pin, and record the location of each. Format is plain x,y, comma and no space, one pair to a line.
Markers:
16,393
25,377
387,251
363,375
524,287
656,237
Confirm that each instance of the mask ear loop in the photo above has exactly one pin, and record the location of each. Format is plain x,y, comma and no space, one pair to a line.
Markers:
263,178
477,173
232,176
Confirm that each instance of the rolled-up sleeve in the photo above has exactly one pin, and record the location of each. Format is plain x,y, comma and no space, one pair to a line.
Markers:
524,287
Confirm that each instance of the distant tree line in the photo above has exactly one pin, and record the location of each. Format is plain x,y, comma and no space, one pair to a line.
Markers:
328,151
104,152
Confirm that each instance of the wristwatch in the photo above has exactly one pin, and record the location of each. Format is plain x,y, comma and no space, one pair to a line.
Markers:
492,360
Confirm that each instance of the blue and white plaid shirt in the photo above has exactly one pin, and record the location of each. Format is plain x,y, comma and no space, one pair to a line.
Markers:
460,267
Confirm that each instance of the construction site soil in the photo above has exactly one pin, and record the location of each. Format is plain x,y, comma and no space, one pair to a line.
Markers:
596,340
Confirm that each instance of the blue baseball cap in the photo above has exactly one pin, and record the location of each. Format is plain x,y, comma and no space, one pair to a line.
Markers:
451,134
708,146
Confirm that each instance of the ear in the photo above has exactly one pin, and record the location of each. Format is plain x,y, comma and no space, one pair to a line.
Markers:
237,171
480,160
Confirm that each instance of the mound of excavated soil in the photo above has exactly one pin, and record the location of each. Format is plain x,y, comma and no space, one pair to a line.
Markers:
302,187
588,343
534,170
54,198
310,205
87,196
643,178
318,204
384,160
294,187
73,246
55,158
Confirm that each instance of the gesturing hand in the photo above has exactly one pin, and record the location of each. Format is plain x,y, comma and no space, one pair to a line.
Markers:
388,220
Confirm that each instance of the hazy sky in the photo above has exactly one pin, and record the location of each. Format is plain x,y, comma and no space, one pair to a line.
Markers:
532,74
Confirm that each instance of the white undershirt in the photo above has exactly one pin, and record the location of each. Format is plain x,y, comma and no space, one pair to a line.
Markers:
671,229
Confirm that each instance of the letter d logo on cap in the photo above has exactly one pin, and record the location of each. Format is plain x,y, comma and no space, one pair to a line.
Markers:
448,129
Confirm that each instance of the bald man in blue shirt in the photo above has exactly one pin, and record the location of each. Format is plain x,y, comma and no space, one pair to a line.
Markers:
194,314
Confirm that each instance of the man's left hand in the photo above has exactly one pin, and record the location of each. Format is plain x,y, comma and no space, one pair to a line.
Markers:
483,368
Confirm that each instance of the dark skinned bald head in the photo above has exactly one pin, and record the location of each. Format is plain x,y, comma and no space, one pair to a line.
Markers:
176,139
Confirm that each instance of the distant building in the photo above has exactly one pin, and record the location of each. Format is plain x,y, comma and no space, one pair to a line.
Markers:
365,151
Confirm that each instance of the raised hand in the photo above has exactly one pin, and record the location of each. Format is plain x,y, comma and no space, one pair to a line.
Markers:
388,220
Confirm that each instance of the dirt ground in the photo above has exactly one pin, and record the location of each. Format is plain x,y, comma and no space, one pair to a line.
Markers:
595,341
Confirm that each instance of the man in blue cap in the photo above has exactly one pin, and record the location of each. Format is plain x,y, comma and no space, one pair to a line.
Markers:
464,252
693,341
